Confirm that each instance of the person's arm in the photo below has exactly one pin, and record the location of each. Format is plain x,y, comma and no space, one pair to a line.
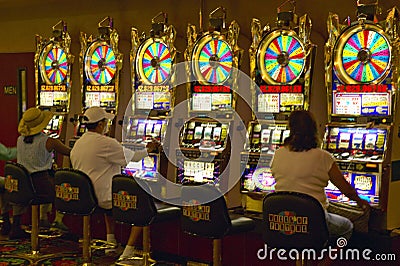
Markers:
7,153
340,182
58,146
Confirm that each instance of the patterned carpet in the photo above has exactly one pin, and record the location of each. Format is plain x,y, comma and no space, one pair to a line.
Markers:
52,252
57,252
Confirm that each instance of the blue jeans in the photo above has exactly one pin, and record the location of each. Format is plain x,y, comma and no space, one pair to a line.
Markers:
338,226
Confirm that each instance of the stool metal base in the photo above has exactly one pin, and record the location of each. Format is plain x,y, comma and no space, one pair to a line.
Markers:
144,260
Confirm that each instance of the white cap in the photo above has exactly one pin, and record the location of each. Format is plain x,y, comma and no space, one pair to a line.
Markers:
95,114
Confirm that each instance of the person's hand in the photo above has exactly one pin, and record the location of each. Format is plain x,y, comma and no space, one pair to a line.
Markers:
153,146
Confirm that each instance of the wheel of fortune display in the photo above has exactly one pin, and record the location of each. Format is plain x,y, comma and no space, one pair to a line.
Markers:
53,64
281,57
154,62
362,55
212,60
100,64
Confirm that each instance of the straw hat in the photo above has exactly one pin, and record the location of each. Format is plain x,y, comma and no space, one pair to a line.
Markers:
33,121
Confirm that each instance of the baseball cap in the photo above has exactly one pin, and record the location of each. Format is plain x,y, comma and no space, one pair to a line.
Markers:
95,114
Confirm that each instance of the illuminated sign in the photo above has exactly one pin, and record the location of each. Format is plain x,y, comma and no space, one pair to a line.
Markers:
150,88
281,88
363,88
213,88
100,88
53,88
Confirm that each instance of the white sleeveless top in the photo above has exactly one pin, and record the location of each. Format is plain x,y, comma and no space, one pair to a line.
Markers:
34,156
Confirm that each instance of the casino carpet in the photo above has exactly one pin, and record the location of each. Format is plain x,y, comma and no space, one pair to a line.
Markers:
57,252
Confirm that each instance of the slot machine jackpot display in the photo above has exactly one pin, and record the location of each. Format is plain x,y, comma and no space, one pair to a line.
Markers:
100,62
362,61
152,64
214,58
53,62
281,62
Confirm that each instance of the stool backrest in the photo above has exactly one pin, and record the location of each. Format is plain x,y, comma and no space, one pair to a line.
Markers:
18,184
132,204
207,220
293,220
74,192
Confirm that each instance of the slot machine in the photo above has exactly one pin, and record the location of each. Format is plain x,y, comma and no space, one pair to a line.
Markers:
362,78
53,62
213,58
100,64
281,64
153,96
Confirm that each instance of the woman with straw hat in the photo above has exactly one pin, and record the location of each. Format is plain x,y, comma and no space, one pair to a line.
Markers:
35,152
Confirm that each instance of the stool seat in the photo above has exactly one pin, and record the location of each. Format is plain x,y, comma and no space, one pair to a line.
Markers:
32,189
210,219
240,224
293,220
75,195
166,212
134,205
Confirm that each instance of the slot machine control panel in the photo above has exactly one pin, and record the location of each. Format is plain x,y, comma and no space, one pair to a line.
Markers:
264,140
139,132
360,154
204,145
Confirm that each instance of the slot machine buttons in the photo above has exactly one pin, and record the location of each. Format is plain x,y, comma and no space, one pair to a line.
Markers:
344,155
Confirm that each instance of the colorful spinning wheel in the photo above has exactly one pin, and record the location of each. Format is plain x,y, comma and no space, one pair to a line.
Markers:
100,64
362,55
212,60
53,64
154,61
281,57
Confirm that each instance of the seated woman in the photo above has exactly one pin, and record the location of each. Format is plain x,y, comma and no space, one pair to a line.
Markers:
35,153
301,166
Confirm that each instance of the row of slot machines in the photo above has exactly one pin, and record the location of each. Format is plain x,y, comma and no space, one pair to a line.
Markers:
361,83
362,130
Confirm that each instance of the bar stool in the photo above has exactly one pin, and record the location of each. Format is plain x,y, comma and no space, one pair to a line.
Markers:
293,220
19,189
133,205
210,220
75,195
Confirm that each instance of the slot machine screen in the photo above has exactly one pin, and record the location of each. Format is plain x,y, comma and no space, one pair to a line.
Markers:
204,131
258,179
145,168
50,96
267,136
153,97
102,99
200,172
367,140
54,125
275,98
139,129
211,98
362,100
366,184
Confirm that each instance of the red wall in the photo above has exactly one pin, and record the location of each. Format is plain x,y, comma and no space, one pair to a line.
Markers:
10,63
